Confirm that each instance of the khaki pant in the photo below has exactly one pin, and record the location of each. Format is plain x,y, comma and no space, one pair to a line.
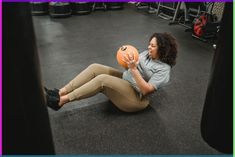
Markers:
99,78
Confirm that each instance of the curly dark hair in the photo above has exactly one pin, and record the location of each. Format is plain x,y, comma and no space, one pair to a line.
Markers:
167,47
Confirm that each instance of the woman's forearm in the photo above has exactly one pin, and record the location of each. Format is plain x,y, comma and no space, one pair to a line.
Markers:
144,86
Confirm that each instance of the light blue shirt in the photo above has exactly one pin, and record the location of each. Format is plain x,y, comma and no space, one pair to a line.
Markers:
154,72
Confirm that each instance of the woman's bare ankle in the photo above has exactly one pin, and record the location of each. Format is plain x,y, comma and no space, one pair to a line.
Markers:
63,100
62,92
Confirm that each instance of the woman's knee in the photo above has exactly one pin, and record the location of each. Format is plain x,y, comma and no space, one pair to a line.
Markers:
103,78
94,66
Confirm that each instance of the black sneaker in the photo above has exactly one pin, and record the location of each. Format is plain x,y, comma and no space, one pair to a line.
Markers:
53,102
53,92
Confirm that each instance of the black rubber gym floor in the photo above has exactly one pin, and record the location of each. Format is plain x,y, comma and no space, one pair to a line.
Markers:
170,125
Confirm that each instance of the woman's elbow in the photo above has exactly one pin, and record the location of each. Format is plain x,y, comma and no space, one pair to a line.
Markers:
148,91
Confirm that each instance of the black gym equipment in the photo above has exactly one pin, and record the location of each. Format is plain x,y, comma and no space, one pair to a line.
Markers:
142,5
26,127
114,5
59,9
39,8
81,8
198,19
167,10
191,11
209,30
152,8
217,117
99,6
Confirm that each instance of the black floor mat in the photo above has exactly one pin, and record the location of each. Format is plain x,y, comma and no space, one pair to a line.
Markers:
103,129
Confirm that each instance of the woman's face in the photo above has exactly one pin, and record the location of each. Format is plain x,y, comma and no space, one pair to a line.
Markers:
153,48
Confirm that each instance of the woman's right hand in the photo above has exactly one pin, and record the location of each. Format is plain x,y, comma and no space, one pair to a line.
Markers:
130,60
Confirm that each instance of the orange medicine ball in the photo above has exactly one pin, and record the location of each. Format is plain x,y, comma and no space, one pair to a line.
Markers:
125,50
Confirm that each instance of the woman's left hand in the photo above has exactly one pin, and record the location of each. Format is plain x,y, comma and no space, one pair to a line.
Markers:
130,60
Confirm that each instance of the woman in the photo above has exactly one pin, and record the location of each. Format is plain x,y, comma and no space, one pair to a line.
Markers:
128,90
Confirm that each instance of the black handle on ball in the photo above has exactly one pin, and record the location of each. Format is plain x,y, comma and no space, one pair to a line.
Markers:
123,48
